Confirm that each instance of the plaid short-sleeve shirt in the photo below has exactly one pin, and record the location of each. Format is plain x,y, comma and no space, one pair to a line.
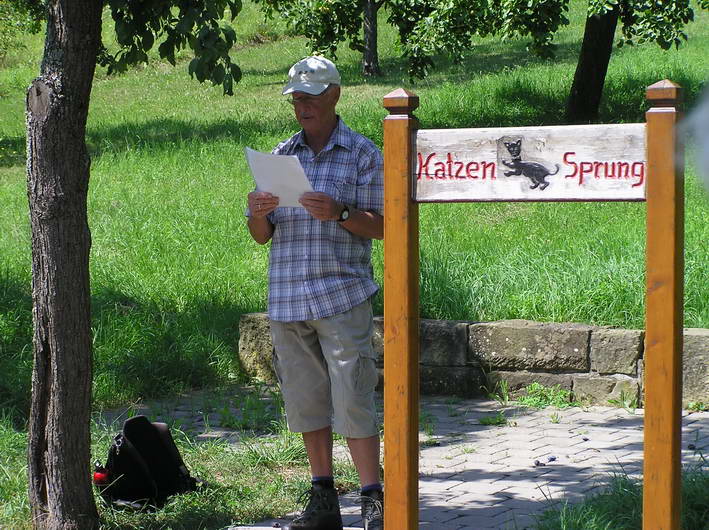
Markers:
318,268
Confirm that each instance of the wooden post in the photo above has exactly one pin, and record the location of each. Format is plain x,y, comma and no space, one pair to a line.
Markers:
401,314
663,311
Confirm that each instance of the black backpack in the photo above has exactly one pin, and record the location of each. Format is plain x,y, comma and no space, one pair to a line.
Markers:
144,466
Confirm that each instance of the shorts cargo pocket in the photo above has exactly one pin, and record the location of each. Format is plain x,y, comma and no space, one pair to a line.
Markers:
276,367
366,377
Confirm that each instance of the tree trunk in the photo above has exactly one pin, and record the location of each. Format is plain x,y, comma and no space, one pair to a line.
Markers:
59,456
590,76
370,59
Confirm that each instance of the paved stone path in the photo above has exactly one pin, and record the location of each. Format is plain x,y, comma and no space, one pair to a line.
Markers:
475,476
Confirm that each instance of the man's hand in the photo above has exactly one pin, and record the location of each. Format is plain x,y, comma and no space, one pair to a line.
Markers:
321,206
261,203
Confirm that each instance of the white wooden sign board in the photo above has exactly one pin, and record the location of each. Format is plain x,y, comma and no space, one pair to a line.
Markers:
562,163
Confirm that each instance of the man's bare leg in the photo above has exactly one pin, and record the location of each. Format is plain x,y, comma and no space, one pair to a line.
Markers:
365,455
322,511
318,444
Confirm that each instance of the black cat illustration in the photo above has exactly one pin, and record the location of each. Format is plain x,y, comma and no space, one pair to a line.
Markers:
534,171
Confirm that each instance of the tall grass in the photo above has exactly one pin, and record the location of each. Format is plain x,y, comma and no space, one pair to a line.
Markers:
173,266
14,504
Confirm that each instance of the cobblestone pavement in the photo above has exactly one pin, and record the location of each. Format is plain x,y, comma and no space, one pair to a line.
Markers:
475,476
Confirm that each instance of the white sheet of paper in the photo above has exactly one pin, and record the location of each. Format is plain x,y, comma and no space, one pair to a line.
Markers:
281,175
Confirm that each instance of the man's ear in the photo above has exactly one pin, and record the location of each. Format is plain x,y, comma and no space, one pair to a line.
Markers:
336,93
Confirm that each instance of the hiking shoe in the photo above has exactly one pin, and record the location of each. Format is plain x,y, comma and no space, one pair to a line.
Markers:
373,510
322,510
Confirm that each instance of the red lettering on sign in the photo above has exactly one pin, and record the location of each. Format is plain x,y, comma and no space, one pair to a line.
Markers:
429,168
596,167
568,162
423,166
440,172
491,167
604,170
638,170
585,168
623,170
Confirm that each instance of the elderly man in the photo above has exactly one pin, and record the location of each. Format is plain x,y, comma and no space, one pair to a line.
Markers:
320,285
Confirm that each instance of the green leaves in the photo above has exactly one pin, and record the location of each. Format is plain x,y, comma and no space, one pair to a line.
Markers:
177,24
426,28
538,19
659,21
325,23
431,27
17,17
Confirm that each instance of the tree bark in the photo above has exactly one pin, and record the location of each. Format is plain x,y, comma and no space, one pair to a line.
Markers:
587,88
59,456
370,59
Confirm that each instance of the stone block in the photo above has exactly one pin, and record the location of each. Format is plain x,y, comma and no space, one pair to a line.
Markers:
518,381
599,390
463,381
533,346
695,366
616,351
255,346
441,342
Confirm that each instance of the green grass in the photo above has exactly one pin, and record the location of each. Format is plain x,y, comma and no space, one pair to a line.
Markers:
500,392
620,506
539,396
498,419
173,266
14,503
698,406
260,478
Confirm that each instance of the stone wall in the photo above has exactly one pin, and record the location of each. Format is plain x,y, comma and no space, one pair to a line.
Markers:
469,358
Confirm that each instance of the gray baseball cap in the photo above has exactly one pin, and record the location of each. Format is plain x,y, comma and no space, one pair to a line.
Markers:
312,75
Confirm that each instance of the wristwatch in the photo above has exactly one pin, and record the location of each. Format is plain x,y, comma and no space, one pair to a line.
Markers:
344,214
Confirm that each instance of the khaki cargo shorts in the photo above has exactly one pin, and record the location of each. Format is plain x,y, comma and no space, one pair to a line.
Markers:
327,372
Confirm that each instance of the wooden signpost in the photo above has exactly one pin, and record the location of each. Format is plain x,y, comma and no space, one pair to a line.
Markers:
626,162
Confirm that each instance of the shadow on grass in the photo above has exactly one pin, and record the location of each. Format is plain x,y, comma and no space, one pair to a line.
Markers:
141,350
12,151
167,133
482,59
151,349
518,103
624,94
157,134
15,347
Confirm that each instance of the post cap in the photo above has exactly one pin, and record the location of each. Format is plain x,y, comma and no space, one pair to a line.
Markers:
401,101
664,93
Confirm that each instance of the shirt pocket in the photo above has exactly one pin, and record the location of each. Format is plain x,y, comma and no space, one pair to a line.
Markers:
348,192
332,187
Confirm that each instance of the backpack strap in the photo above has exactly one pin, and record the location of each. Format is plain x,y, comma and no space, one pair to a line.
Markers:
188,483
129,475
